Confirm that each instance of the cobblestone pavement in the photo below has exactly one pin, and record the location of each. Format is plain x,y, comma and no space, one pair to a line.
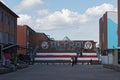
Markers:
62,72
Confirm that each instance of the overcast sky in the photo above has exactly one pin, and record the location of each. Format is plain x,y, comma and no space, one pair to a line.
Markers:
77,19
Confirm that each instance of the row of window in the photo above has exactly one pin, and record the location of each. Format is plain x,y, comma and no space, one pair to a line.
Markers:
6,38
7,20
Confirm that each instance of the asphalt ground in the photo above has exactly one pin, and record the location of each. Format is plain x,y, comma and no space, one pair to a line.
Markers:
62,72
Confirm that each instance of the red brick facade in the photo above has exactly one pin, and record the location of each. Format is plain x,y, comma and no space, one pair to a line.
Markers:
39,37
8,25
103,31
28,38
25,38
8,28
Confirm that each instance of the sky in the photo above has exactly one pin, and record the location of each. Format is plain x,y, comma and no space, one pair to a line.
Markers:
76,19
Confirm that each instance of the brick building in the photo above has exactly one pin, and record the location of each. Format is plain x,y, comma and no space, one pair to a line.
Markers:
103,31
109,38
55,51
25,39
67,46
8,28
118,55
108,26
40,37
28,39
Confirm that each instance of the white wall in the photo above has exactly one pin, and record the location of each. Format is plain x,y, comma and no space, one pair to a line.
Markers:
104,59
107,59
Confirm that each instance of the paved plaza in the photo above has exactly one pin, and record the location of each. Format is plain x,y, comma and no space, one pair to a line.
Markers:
62,72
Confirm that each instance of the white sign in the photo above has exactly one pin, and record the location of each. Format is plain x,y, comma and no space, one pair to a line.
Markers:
88,45
44,45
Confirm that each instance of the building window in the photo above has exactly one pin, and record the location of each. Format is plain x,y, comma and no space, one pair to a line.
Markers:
1,14
6,38
12,23
13,39
0,37
27,44
6,20
27,32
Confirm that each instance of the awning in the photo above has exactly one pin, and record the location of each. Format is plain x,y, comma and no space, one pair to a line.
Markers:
8,46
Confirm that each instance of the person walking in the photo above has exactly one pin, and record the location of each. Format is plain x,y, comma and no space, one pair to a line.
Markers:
75,60
72,61
91,61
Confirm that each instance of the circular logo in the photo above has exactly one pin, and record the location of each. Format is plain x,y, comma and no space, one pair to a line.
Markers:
88,45
44,45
